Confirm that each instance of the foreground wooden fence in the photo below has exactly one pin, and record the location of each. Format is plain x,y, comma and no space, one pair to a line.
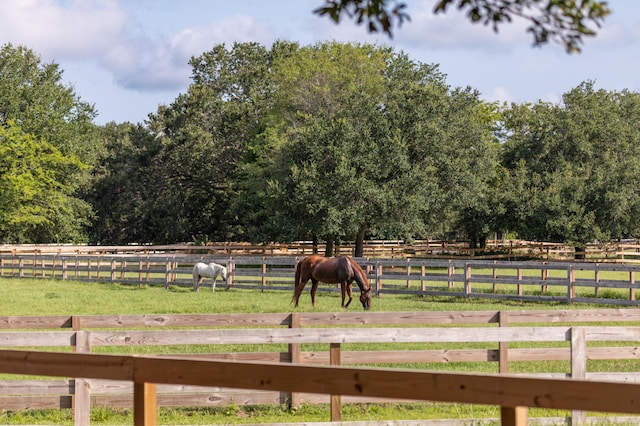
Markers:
610,283
514,395
336,333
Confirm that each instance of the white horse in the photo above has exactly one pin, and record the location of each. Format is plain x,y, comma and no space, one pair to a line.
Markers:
211,270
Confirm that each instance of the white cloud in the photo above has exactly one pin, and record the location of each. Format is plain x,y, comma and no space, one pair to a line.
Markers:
237,28
500,94
68,30
453,30
163,63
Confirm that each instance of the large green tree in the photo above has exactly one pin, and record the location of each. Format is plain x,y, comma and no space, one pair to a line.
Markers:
36,190
45,112
204,136
575,167
363,141
126,185
33,95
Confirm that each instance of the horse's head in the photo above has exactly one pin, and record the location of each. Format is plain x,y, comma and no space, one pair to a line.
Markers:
365,298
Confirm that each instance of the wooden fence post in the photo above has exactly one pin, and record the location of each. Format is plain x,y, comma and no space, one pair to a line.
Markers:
145,404
494,275
378,279
450,272
467,279
113,270
123,269
231,266
167,274
294,352
514,416
632,284
65,264
81,400
503,347
571,278
578,367
335,406
264,273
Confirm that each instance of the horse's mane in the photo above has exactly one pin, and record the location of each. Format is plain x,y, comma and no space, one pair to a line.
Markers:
358,274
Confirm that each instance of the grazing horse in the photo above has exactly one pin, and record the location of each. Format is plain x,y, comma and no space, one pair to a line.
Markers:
211,270
331,270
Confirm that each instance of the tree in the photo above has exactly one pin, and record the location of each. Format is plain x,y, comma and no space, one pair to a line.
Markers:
575,167
204,136
36,187
37,109
563,21
363,141
32,94
124,186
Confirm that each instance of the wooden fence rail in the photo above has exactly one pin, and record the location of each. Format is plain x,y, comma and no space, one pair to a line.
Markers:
603,283
498,249
513,394
336,332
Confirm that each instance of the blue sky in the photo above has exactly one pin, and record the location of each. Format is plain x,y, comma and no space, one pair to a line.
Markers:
129,56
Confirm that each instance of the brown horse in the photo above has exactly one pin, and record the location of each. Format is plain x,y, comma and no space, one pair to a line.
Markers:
332,270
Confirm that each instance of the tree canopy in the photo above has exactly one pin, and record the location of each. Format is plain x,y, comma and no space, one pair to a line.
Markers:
329,142
47,144
575,167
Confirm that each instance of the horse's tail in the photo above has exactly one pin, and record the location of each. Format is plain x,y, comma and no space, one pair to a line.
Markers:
297,281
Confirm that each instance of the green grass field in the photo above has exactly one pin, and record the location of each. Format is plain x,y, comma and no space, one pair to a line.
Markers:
36,297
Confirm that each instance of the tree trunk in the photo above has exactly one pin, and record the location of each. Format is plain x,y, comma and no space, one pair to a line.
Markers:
328,249
358,250
579,253
314,240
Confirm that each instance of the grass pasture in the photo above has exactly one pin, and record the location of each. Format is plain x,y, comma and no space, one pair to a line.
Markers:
39,297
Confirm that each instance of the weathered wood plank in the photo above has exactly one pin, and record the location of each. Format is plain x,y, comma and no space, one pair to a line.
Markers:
36,387
185,320
36,338
32,322
35,402
379,318
326,335
506,391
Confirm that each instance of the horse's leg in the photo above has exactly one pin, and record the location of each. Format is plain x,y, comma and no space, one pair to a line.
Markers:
343,290
350,292
196,282
213,286
314,288
299,286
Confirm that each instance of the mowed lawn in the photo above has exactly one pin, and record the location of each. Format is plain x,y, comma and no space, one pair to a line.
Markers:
37,297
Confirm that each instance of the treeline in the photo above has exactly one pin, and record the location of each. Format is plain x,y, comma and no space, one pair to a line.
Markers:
324,142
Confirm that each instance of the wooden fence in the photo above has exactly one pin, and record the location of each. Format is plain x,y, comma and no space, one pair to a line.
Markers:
510,250
601,283
332,339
